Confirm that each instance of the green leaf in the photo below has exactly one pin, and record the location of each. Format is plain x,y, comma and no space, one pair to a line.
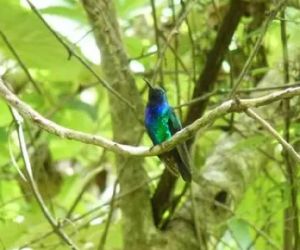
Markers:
3,135
241,233
63,149
130,7
72,12
34,43
88,109
5,116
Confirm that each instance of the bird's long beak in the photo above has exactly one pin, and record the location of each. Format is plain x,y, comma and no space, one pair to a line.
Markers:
148,83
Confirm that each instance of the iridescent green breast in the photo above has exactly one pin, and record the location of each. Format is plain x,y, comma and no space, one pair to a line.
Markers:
156,121
161,128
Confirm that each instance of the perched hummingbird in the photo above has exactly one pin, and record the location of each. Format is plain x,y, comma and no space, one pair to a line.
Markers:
161,123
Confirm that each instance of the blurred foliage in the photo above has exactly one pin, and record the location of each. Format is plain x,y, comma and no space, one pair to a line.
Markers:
72,98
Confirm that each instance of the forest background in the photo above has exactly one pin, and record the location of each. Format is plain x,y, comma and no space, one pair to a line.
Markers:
77,169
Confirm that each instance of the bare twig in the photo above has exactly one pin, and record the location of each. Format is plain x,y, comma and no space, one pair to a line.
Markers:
259,231
111,209
207,79
103,238
19,122
292,210
198,228
85,185
19,60
175,202
79,218
13,159
186,133
157,34
258,44
241,91
193,49
85,64
182,16
176,57
274,133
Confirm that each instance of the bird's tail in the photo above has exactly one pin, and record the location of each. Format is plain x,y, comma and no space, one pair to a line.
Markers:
184,172
183,162
170,163
176,162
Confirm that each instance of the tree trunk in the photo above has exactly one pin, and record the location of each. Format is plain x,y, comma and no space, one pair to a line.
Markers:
136,208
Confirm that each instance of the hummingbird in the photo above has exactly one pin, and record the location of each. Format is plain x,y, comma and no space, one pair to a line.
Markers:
161,123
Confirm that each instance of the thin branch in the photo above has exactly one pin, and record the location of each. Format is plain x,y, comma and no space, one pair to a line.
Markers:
86,182
177,58
274,133
193,49
287,20
292,210
13,159
49,114
241,91
83,36
19,122
258,234
176,43
79,218
208,76
103,238
161,199
157,34
199,99
257,46
235,215
186,133
198,228
85,64
19,60
175,203
182,16
111,209
84,225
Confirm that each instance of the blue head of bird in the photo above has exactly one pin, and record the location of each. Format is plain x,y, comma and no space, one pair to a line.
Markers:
156,95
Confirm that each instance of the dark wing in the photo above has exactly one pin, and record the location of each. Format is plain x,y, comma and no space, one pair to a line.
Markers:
180,153
149,125
174,123
152,135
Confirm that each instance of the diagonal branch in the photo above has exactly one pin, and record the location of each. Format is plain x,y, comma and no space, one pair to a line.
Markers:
204,84
256,47
288,147
123,149
20,61
56,228
208,76
74,54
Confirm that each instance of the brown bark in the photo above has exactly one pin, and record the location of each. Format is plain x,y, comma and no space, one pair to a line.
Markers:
136,208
